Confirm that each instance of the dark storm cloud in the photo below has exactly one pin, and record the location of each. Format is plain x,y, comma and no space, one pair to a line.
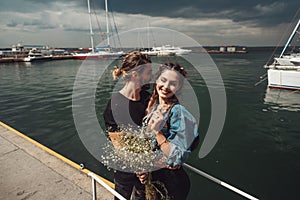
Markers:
254,22
21,6
254,12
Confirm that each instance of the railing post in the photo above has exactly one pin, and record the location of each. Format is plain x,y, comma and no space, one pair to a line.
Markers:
94,189
107,187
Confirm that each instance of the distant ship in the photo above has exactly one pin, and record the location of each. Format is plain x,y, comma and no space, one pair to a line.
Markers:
166,50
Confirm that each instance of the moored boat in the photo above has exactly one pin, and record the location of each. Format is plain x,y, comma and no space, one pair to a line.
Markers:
37,58
99,52
38,55
166,50
284,72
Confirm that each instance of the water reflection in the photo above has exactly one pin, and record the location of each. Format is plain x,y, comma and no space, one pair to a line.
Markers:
279,99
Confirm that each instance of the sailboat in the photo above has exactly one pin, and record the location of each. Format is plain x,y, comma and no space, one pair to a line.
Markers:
284,72
100,52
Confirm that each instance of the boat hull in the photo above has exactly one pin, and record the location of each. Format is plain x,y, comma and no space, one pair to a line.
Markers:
166,50
284,79
95,56
37,58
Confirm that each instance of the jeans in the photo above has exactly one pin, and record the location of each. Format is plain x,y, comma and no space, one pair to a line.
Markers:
125,182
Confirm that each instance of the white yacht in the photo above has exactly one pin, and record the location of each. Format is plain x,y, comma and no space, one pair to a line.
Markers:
284,72
166,50
38,55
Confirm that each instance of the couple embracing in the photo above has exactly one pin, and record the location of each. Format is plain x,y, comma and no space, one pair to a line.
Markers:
173,128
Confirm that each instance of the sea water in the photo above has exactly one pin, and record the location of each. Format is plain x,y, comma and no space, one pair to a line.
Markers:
258,150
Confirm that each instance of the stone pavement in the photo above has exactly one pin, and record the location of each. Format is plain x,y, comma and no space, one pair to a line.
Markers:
29,172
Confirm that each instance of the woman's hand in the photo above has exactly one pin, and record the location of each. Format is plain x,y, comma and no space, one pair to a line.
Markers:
155,123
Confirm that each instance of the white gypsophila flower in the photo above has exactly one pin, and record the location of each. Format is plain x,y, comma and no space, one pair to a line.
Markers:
134,153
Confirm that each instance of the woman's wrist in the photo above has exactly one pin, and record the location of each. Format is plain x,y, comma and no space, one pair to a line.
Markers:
160,138
163,142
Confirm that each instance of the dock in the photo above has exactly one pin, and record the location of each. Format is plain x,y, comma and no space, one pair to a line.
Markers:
21,59
31,171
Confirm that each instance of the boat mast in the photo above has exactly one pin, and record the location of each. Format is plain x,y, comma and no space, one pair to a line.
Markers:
291,37
107,27
91,28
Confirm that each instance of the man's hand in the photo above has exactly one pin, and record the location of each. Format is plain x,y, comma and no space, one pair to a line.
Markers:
142,177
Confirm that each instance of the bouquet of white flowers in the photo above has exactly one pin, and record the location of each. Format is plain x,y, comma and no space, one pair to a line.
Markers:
135,150
132,151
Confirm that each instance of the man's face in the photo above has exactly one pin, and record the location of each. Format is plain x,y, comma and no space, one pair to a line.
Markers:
146,75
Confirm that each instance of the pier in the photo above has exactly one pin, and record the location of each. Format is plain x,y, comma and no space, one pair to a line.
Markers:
31,171
21,59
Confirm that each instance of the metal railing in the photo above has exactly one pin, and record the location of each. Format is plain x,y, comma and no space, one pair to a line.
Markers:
95,179
222,183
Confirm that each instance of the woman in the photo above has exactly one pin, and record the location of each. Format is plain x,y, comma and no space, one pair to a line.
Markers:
127,107
174,129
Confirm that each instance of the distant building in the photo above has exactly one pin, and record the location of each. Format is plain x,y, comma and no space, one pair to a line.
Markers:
20,50
226,49
222,49
231,49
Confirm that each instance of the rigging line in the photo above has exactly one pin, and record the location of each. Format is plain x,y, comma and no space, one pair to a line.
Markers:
259,82
97,20
111,32
115,26
262,79
297,41
280,41
264,75
230,187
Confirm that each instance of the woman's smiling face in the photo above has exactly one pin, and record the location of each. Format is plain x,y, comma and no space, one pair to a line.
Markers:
167,84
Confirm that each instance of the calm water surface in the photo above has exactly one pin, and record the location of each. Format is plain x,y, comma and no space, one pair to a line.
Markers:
258,151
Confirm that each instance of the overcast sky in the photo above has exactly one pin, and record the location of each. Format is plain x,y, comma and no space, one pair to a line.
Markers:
65,23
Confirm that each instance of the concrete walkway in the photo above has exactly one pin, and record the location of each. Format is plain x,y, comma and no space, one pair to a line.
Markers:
29,172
